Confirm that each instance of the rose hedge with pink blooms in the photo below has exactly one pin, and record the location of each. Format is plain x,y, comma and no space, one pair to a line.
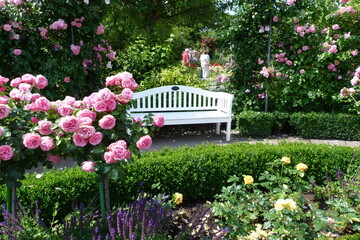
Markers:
64,43
95,131
312,54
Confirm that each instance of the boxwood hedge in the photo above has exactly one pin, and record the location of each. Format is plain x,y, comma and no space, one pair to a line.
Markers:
197,172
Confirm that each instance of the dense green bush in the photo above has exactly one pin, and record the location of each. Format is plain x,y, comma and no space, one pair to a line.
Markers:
174,75
197,173
326,125
255,124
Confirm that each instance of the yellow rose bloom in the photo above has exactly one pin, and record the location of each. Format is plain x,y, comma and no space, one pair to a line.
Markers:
285,160
248,180
279,204
178,198
290,204
301,167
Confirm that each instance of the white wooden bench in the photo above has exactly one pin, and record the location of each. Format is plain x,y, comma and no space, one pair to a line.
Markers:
182,105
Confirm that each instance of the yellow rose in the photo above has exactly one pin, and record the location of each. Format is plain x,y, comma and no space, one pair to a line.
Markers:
178,198
290,204
248,180
285,160
301,167
279,204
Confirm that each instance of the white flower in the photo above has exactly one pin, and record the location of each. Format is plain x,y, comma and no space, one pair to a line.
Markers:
107,1
39,175
86,2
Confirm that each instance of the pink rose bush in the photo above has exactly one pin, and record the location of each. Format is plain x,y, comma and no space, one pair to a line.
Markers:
95,128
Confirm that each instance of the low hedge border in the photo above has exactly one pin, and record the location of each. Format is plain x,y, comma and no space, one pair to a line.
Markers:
198,173
306,125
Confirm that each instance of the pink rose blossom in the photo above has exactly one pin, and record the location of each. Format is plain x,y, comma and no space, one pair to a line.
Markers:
69,124
336,36
86,131
45,127
24,87
7,27
119,152
110,105
15,82
79,141
121,143
333,49
137,120
302,71
354,81
100,106
111,55
100,30
144,142
86,113
17,52
15,94
65,110
109,157
105,94
305,48
69,100
335,27
42,104
47,144
96,138
88,166
28,78
347,35
159,120
331,66
275,19
94,97
107,122
127,93
2,3
41,82
31,140
4,99
58,25
4,111
278,74
3,80
355,52
67,79
6,152
54,158
289,63
86,121
75,49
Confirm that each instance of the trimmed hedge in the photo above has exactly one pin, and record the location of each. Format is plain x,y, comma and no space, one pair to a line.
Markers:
306,125
198,173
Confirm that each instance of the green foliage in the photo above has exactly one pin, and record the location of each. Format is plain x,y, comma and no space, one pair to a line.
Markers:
197,173
255,124
175,75
142,57
326,125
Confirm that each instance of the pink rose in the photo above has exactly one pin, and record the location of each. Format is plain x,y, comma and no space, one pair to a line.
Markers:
86,121
333,49
96,138
28,78
137,120
105,94
4,99
17,52
4,111
69,100
47,144
100,106
110,105
107,122
43,104
45,127
86,131
119,152
335,27
121,143
290,2
354,81
88,166
302,71
67,79
31,140
355,52
100,30
54,158
86,113
159,120
15,82
69,124
144,142
24,87
75,49
111,55
94,98
275,19
127,93
127,83
109,157
6,152
79,141
34,96
65,110
7,27
41,82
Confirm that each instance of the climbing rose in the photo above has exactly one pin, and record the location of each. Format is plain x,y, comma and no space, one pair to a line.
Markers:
159,120
17,52
144,142
96,138
275,19
109,157
4,111
79,141
86,131
107,122
69,124
100,30
41,82
6,152
47,144
45,127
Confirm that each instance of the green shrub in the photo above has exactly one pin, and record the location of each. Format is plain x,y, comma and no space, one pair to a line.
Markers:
255,124
174,75
197,173
326,125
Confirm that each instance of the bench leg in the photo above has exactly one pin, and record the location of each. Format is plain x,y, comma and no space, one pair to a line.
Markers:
228,129
218,128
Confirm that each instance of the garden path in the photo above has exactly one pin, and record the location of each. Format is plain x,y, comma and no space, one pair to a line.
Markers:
192,135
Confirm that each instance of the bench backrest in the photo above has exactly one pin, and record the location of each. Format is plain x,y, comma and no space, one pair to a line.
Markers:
180,98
